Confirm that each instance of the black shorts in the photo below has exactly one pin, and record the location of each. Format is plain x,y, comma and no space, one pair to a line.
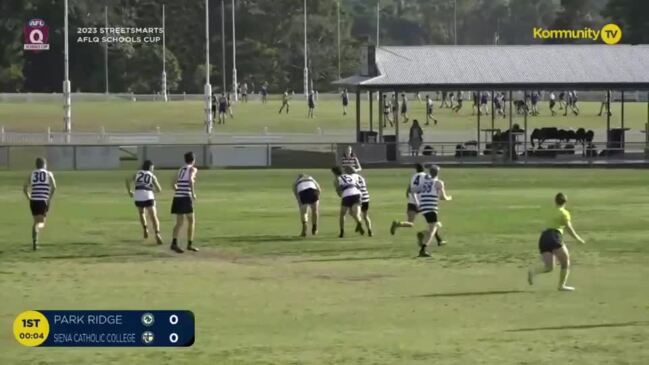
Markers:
365,206
145,203
182,205
309,196
412,208
552,103
550,240
349,201
38,207
431,217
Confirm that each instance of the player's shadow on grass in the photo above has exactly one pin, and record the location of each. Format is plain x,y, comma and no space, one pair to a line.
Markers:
472,294
342,259
257,239
582,326
99,255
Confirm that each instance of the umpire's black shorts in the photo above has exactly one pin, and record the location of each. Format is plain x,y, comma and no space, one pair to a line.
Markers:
550,240
309,196
38,207
182,205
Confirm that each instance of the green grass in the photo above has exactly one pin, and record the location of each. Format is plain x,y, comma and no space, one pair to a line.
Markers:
254,116
262,296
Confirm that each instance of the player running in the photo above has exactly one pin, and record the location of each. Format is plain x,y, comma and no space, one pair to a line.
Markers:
145,182
460,98
365,205
412,208
39,190
551,244
429,111
347,187
553,102
183,203
429,192
285,102
307,193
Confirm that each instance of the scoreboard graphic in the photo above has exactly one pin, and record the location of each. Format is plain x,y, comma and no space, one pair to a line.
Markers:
131,328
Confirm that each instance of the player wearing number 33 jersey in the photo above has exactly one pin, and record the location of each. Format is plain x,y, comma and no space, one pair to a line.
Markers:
145,183
39,189
183,203
431,190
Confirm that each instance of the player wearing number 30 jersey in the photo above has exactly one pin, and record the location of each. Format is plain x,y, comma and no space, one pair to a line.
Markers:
183,203
145,183
39,189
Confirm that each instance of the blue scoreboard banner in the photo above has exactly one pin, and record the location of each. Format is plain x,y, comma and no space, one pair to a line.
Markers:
129,328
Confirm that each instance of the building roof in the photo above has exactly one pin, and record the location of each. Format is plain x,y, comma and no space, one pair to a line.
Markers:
508,67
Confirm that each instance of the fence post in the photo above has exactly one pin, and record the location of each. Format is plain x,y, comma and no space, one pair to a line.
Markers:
2,134
49,135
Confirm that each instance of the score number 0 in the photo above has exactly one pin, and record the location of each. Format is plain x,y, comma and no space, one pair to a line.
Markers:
173,337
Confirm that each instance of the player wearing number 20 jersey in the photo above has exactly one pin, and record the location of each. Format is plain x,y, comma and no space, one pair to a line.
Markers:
39,189
145,183
183,203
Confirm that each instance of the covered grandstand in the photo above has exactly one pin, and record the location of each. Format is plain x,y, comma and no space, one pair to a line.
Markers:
510,69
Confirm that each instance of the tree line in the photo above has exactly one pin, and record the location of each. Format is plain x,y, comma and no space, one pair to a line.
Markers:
270,37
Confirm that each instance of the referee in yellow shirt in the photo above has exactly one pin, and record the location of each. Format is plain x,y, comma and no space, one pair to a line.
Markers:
551,244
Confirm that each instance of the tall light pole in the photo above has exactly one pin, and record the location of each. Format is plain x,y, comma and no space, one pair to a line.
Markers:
223,46
378,21
306,67
455,22
67,108
338,17
164,56
235,83
208,88
106,50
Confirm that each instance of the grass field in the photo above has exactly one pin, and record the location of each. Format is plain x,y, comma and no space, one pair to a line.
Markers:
262,296
253,117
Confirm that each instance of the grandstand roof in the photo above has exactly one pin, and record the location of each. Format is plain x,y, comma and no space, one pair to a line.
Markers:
507,67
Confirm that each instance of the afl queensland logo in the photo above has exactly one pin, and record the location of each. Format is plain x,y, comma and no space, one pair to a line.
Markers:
36,35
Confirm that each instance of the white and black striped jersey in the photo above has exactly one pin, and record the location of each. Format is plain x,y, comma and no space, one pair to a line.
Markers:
40,185
415,181
144,182
304,183
183,182
362,186
348,185
350,161
428,194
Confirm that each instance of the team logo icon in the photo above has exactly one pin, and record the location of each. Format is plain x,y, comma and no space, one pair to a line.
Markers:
147,337
148,319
